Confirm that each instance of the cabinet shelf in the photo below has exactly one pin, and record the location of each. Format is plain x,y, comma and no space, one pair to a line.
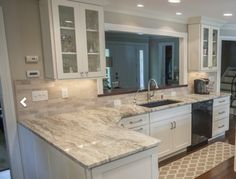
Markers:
69,53
91,30
94,53
67,28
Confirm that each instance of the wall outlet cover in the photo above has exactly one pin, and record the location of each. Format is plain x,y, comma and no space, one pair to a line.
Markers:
40,95
117,103
64,93
173,93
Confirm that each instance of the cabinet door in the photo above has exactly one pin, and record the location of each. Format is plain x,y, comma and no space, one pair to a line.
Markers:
67,25
214,46
182,132
163,131
94,66
205,47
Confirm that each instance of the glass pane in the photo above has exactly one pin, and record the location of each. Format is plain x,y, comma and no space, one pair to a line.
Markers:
205,47
92,20
92,27
205,61
69,63
66,15
93,42
68,41
214,48
94,63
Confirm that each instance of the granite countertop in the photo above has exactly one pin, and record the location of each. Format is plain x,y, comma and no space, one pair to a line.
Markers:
93,137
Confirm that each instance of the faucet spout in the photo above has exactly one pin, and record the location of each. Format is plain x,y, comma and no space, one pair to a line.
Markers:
149,96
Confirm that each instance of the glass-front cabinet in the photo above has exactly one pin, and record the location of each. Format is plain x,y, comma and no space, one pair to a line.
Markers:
203,46
210,46
75,33
95,50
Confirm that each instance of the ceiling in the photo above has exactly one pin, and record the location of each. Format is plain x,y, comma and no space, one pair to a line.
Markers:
190,8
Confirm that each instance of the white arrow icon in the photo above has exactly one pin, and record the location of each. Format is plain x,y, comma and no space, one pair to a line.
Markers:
23,102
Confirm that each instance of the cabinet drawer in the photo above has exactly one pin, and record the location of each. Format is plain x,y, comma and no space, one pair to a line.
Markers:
219,127
221,112
134,121
170,113
142,129
221,101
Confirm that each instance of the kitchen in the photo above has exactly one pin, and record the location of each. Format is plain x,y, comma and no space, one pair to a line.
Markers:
76,124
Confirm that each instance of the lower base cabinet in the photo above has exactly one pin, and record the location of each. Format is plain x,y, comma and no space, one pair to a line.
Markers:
173,128
43,161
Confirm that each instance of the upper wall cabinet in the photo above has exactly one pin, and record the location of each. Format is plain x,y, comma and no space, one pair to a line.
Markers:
203,46
73,39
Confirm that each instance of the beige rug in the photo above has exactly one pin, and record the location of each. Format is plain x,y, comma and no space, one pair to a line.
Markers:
198,163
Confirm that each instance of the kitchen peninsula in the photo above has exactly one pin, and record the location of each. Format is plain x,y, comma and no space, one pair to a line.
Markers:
92,144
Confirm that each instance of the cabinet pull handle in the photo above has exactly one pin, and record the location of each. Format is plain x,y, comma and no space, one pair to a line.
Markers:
172,126
140,129
222,101
221,126
135,122
221,112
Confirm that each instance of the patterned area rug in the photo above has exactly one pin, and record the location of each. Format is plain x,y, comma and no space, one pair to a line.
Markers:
197,163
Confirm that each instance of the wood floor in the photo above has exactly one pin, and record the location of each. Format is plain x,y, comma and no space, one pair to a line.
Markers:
222,171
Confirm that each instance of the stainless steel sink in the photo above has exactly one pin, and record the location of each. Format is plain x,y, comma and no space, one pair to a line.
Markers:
159,103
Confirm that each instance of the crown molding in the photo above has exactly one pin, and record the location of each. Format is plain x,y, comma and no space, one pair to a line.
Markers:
148,14
93,2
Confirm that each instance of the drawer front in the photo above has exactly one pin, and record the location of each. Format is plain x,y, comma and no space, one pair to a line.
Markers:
221,101
170,113
221,112
219,126
135,121
142,129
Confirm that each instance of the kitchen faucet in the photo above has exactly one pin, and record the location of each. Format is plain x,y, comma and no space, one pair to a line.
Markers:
149,95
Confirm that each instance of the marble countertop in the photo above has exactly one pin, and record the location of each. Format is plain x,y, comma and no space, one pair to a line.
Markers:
93,137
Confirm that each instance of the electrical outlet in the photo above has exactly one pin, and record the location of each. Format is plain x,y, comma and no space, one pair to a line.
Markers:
40,95
64,93
117,103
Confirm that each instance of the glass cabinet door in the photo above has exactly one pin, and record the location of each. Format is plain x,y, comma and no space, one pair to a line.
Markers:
206,32
68,39
93,41
214,47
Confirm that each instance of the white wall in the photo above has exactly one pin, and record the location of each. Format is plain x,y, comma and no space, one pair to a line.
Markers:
23,33
228,32
124,19
22,23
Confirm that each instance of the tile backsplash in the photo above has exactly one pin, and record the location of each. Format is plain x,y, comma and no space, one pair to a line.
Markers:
82,95
198,75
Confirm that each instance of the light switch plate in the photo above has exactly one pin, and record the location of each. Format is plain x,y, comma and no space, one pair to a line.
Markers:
31,59
40,95
64,93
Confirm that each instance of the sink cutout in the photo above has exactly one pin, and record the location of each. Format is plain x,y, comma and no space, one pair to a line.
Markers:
159,103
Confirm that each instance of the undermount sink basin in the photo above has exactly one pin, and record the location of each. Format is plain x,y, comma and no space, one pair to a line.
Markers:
159,103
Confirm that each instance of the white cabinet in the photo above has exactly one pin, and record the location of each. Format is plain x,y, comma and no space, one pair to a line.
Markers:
203,47
41,160
221,112
73,39
138,123
163,131
173,129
